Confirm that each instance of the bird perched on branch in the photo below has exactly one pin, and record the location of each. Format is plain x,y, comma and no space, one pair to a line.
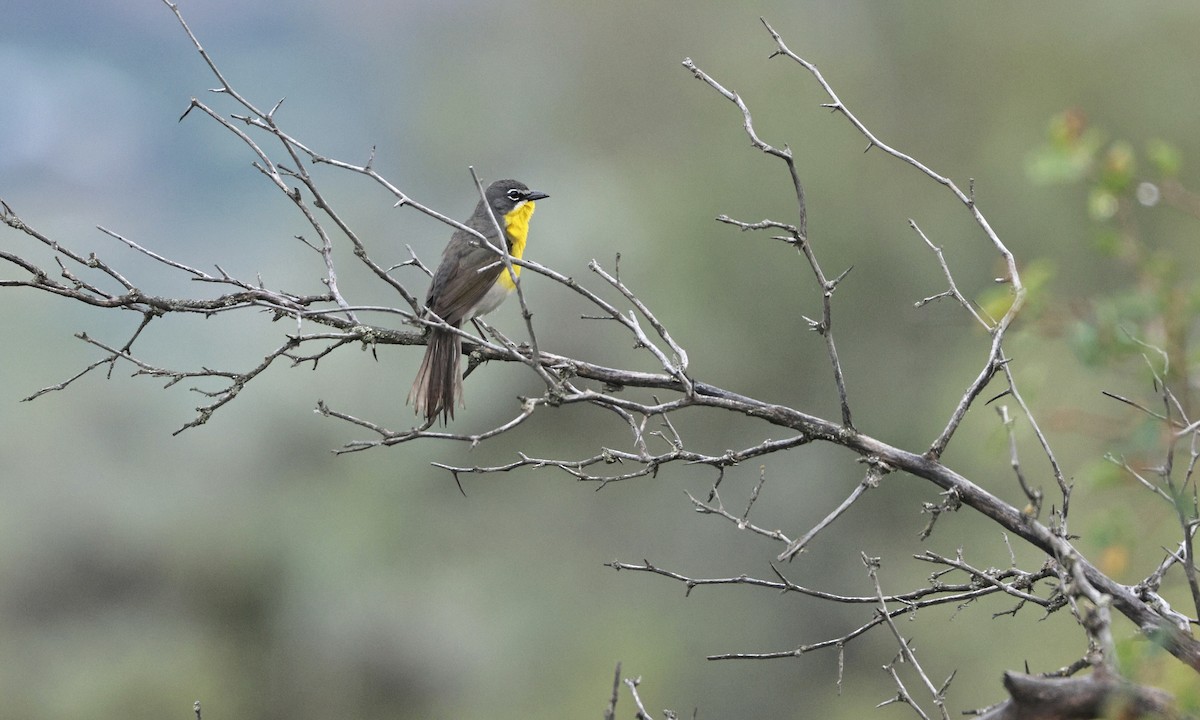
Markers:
471,280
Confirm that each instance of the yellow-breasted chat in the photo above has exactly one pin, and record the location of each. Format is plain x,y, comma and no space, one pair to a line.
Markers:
470,281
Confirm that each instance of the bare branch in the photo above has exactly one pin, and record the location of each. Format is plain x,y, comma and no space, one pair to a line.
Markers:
875,473
952,290
799,233
906,651
1033,495
632,684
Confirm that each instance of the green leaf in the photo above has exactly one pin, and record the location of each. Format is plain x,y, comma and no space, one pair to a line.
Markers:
1164,157
1102,204
1118,169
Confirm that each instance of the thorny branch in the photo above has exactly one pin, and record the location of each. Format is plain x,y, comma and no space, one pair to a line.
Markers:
1012,277
610,713
1180,493
979,584
906,655
573,381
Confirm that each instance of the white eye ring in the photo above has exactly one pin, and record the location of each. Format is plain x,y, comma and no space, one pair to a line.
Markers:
514,195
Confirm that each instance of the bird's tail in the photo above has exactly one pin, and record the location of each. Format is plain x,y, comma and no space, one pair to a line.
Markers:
439,379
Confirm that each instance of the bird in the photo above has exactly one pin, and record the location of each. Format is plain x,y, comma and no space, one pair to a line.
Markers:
470,281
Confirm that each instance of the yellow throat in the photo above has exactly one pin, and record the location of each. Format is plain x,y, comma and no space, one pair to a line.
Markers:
516,223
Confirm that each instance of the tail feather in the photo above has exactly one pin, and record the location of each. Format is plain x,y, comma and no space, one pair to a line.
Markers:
439,379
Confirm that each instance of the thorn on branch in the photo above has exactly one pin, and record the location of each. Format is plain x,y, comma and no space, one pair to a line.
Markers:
832,284
193,104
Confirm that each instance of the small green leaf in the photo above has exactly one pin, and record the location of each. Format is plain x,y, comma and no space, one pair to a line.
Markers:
1108,241
1102,204
1117,171
996,301
1164,157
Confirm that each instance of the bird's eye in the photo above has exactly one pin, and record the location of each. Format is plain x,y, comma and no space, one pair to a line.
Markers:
515,194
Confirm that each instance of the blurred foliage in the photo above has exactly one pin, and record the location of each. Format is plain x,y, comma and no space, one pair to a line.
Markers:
1146,663
1147,326
1153,314
1038,276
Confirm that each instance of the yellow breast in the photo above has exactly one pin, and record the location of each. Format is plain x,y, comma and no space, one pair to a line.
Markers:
517,225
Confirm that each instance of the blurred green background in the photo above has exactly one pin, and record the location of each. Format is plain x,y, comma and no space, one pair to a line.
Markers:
243,564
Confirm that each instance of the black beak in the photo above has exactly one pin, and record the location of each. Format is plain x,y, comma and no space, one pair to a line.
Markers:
536,195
